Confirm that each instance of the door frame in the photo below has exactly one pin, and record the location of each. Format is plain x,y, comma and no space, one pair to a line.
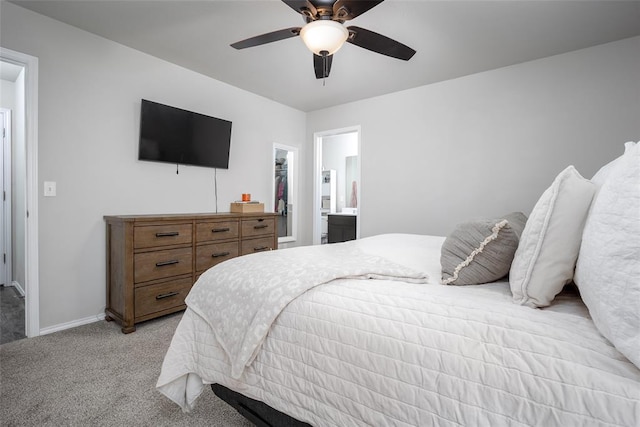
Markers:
32,285
6,205
317,177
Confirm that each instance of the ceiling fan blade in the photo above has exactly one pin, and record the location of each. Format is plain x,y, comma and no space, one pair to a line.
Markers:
303,7
322,67
273,36
344,10
378,43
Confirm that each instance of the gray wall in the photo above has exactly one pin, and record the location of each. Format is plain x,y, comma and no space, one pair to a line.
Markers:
488,143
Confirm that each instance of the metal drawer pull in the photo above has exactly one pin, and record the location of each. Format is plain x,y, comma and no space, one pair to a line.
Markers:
169,234
163,263
256,227
220,230
261,248
167,295
219,254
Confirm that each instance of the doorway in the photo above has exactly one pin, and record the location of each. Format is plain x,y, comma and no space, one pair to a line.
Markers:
337,185
19,77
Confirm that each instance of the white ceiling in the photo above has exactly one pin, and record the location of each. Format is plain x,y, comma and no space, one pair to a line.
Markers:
452,38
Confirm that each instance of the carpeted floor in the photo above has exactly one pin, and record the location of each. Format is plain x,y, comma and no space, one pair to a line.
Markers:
94,375
11,315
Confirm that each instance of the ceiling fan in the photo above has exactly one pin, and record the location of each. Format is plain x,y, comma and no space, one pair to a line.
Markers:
324,32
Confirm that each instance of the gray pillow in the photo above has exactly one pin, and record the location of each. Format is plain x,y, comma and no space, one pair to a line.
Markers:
481,251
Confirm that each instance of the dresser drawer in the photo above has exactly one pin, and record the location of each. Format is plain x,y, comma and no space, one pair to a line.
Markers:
212,231
154,298
258,227
151,236
257,245
159,264
209,255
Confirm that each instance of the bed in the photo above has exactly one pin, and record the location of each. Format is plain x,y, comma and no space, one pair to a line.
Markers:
366,333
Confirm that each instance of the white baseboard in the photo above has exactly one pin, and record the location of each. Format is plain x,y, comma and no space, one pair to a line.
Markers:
72,324
18,287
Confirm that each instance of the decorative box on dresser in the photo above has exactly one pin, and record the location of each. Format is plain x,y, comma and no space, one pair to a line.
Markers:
153,260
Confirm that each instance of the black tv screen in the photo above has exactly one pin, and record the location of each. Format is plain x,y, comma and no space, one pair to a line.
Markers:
173,135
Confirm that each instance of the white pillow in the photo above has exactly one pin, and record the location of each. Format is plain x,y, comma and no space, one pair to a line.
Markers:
608,269
546,256
603,173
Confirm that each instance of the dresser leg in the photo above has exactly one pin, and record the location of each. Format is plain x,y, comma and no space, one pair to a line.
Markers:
128,329
108,318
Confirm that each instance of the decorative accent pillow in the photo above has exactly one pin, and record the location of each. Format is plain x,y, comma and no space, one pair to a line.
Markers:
546,256
608,269
481,251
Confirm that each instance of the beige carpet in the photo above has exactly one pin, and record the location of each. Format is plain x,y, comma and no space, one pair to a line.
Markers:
94,375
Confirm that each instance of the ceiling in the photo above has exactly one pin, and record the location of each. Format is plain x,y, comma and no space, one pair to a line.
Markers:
452,38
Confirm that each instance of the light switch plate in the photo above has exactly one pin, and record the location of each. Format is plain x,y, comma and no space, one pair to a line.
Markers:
49,189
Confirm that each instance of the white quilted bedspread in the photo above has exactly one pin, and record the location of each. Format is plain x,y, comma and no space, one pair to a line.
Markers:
388,353
242,297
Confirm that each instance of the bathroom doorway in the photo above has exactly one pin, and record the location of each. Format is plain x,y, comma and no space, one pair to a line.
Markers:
337,185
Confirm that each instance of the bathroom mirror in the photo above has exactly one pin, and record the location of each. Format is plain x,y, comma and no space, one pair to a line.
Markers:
284,191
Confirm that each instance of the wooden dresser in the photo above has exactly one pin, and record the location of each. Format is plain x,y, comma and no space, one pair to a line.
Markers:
153,260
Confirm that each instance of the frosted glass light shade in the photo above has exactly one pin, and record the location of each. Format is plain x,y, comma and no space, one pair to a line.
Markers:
324,35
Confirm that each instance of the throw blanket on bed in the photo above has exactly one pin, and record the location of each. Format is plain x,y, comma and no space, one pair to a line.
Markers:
242,297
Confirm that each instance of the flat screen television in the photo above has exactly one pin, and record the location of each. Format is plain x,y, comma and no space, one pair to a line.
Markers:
173,135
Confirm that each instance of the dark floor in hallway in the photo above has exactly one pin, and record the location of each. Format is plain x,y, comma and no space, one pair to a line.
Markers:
11,315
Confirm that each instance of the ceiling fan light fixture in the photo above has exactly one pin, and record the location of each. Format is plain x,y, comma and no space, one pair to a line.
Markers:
324,36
